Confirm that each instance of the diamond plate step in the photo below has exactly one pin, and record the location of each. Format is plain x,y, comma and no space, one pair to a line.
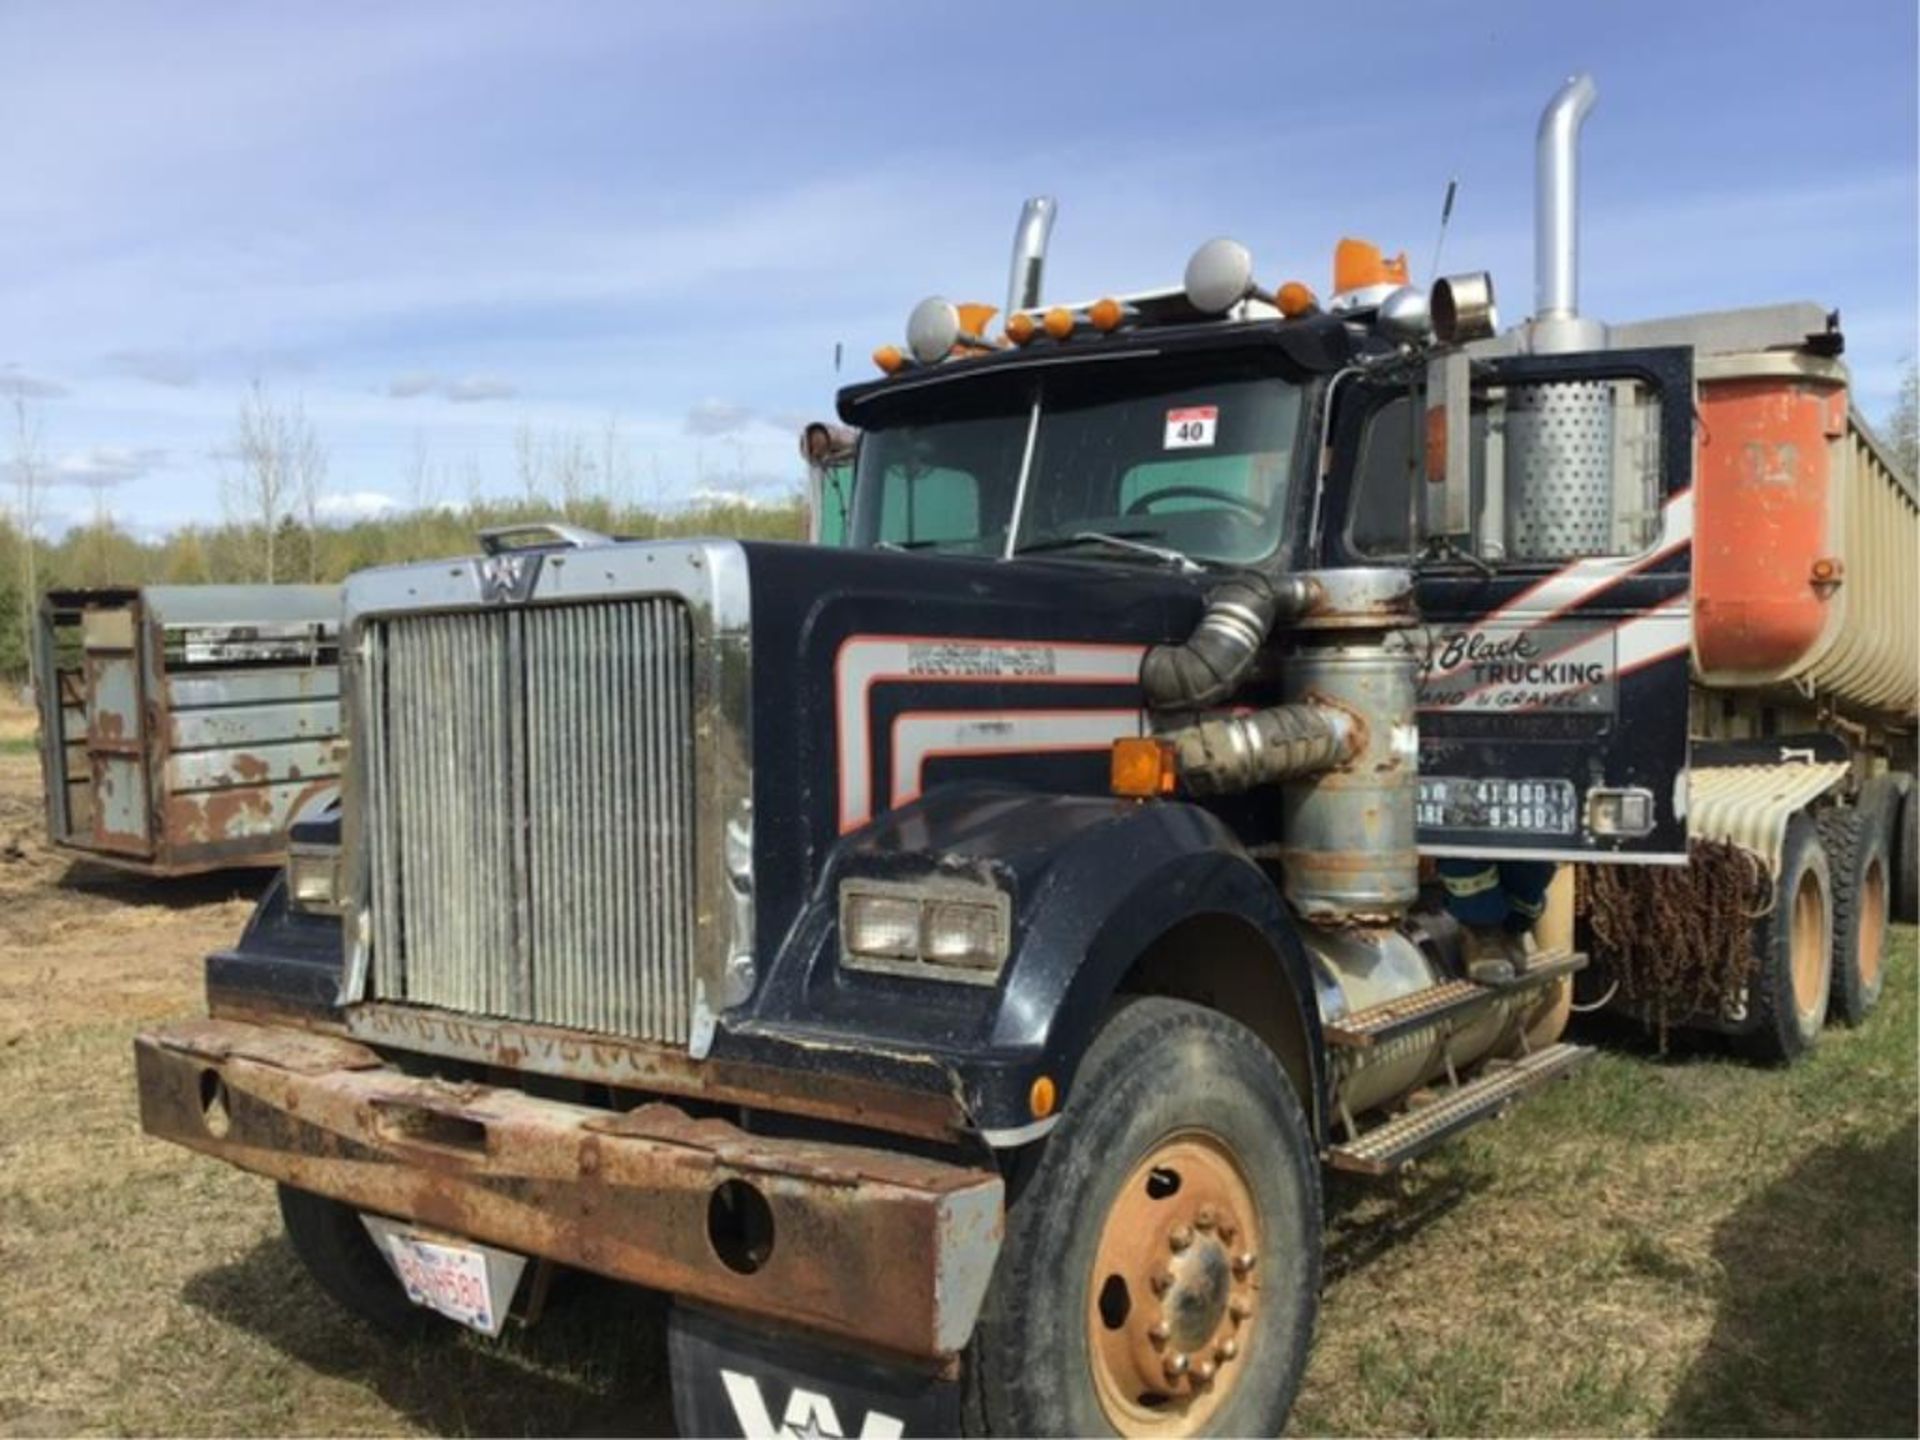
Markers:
1381,1023
1385,1148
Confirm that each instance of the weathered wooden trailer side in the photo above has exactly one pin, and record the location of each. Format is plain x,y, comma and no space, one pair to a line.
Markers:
184,727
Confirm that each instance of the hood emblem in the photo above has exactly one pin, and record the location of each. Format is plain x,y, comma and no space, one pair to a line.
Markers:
507,578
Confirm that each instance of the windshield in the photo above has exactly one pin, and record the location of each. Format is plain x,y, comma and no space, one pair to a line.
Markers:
1198,466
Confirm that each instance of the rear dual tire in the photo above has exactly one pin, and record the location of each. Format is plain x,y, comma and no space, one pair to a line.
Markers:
1788,995
1856,842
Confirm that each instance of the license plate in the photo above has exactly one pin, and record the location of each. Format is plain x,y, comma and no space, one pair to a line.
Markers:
451,1278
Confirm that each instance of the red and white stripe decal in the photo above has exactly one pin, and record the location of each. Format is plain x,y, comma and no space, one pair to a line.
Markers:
1581,581
864,661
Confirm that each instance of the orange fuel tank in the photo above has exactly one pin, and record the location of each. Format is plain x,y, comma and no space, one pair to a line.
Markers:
1804,539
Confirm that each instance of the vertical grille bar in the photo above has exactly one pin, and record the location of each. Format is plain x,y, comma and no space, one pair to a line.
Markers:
530,814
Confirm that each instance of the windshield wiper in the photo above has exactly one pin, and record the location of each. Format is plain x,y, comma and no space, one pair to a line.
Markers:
1128,540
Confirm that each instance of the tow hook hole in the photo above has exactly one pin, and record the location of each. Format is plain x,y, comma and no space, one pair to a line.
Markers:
1153,1400
740,1226
430,1127
1115,1303
214,1111
1162,1183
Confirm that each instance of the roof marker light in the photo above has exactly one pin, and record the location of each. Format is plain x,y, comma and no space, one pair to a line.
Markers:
1106,314
1021,328
1059,322
889,359
1297,300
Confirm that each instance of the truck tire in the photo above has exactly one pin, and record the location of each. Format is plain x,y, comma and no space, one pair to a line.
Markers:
1906,853
1856,844
1174,1212
1793,952
340,1255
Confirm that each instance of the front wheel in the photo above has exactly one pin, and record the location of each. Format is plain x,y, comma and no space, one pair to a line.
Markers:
1161,1270
341,1257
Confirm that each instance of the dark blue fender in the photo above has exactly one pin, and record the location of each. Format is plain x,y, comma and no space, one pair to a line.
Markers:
1094,881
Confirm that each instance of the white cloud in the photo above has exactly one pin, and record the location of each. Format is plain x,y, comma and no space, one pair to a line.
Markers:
107,464
15,383
465,390
174,369
716,417
352,505
471,388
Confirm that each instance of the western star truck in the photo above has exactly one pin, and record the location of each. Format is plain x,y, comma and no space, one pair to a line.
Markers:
945,962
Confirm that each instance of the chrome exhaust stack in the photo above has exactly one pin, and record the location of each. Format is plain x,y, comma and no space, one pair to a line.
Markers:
1029,254
1557,324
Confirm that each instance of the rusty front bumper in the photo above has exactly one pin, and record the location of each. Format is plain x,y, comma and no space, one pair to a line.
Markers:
872,1246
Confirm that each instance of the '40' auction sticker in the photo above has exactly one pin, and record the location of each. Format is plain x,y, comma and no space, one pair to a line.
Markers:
1192,427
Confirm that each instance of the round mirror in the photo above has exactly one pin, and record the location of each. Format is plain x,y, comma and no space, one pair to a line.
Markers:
1219,276
1403,315
933,330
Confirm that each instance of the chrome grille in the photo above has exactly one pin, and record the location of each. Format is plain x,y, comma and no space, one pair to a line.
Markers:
529,813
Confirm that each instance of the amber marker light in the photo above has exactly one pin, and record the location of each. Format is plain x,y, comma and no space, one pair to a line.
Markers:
1020,327
1042,1096
1143,767
1106,314
889,359
1059,322
1296,300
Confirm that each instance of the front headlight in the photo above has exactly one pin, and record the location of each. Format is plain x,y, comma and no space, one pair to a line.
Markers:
313,879
940,930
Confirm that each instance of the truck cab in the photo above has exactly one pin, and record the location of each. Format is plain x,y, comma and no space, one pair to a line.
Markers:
945,961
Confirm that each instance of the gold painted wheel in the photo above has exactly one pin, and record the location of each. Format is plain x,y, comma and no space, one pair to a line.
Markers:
1809,938
1873,924
1174,1295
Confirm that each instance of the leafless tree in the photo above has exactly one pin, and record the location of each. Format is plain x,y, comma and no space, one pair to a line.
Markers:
1903,425
275,464
29,473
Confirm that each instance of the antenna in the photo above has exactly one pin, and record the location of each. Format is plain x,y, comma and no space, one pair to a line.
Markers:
1446,214
836,357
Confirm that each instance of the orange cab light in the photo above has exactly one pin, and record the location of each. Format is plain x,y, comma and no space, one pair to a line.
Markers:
975,318
1059,322
1106,314
1359,265
1296,300
1020,327
890,359
1042,1096
1143,767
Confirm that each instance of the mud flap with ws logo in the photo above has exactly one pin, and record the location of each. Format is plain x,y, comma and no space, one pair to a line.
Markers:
731,1377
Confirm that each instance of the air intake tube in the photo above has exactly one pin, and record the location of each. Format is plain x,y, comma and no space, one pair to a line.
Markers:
1209,665
1230,753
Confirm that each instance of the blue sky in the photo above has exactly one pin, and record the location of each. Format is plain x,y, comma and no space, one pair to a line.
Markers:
437,224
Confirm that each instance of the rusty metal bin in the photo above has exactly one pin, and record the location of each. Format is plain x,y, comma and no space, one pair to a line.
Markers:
182,727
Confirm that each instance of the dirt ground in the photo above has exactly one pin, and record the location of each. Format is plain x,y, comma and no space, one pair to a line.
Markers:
1668,1244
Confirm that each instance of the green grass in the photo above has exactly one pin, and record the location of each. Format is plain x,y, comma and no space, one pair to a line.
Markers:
1678,1244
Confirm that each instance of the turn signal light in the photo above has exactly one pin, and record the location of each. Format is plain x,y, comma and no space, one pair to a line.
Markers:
1296,300
1106,314
1143,767
1059,322
1020,327
890,359
1042,1096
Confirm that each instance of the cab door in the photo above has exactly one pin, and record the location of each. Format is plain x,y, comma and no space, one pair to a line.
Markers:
1554,584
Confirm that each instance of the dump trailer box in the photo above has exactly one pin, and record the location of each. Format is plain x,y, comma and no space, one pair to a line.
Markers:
183,727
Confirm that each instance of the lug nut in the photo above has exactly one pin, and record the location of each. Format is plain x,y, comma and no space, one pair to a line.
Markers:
1181,1238
1204,1220
1243,1262
1176,1366
1228,1349
1227,1232
1240,1307
1159,1331
1162,1282
1203,1372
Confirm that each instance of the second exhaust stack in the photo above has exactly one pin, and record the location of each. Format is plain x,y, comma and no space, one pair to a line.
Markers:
1557,324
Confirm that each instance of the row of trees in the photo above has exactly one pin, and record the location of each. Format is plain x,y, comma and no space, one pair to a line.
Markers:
273,527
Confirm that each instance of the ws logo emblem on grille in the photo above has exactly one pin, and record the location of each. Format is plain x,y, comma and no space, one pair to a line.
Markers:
507,578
